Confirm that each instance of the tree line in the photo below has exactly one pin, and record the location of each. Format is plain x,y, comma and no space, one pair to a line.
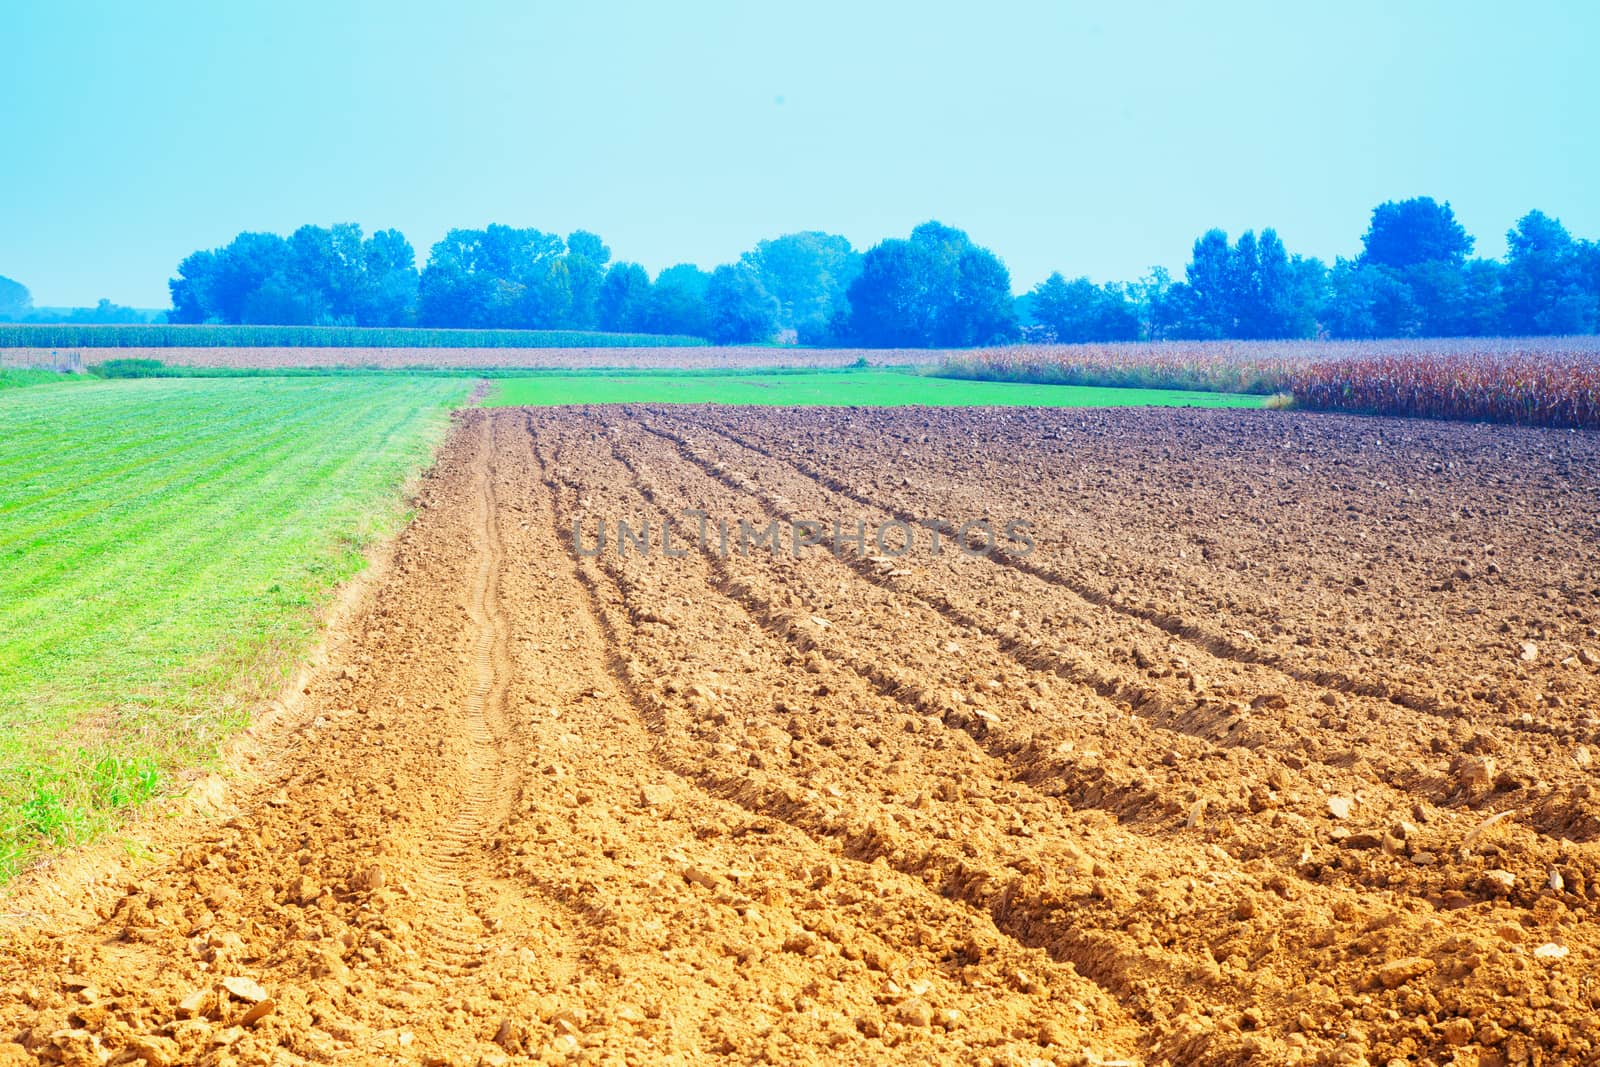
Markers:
16,305
1415,276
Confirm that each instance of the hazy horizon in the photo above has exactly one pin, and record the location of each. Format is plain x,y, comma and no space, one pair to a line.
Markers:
1066,138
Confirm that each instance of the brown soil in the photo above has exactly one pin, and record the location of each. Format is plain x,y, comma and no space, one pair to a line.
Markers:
1276,749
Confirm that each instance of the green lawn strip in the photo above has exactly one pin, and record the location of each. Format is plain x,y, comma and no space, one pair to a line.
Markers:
20,377
872,387
198,427
207,598
103,517
174,540
114,608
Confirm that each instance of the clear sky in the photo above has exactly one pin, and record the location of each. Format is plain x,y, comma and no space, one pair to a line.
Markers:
1093,139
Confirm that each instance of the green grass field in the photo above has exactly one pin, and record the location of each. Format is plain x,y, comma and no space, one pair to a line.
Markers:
17,377
163,547
833,388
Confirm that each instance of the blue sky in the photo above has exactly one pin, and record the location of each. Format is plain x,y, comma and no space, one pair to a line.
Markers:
1091,139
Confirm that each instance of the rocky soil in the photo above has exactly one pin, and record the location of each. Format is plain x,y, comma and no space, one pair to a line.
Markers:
1275,747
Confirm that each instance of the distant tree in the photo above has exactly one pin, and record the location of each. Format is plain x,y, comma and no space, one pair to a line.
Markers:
1051,304
1242,297
15,300
193,296
624,298
1079,311
585,262
1152,299
889,306
1288,292
589,246
317,276
105,313
809,273
1483,299
250,264
387,295
678,302
279,302
548,299
1548,279
937,288
1310,292
739,310
1367,301
1439,288
1589,261
452,291
1414,255
496,277
1208,304
1254,289
1407,232
982,311
324,274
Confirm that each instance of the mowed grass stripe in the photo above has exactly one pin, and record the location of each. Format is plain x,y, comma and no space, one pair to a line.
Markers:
224,479
132,537
255,506
198,433
53,570
166,543
116,611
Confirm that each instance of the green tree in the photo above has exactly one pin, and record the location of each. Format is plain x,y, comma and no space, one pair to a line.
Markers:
678,302
1152,298
1252,289
1547,286
982,311
624,298
810,274
105,313
889,306
1483,299
937,288
585,260
1420,251
1368,301
15,300
1407,232
1286,294
252,283
488,278
1210,278
1080,311
387,295
193,290
739,310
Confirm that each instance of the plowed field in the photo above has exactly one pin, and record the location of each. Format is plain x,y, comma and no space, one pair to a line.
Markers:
1275,748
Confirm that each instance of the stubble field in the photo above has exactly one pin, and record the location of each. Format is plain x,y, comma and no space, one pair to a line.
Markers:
1275,748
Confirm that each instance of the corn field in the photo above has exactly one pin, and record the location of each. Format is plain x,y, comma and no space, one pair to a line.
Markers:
1521,390
1538,381
1219,366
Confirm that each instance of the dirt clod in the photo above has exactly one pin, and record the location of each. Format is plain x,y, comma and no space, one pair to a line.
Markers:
1172,789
